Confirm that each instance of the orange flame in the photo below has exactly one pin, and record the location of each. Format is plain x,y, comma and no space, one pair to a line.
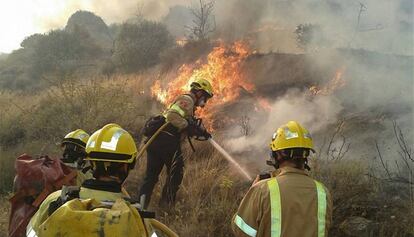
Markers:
333,85
264,103
222,69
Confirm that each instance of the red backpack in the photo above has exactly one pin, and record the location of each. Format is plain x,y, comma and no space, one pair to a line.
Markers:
35,180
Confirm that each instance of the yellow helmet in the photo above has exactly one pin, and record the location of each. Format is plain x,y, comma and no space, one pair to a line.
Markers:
202,84
77,137
111,144
291,135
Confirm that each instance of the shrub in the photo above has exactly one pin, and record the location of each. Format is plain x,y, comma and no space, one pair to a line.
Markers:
34,124
138,46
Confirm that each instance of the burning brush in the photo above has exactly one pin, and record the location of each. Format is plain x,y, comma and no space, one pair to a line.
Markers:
223,68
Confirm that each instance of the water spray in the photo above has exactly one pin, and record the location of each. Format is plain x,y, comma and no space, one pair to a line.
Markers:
231,159
212,142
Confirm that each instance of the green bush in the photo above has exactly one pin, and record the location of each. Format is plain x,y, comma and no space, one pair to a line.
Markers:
138,46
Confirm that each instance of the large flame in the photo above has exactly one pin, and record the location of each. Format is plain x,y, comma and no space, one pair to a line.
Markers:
222,69
333,85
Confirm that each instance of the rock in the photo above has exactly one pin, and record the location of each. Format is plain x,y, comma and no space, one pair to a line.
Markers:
358,227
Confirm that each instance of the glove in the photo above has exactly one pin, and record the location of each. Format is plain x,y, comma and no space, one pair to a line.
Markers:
196,129
204,134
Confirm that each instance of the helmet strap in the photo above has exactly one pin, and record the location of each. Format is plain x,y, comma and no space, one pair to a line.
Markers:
72,153
273,160
112,170
292,155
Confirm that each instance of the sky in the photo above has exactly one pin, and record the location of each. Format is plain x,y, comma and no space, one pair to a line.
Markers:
21,18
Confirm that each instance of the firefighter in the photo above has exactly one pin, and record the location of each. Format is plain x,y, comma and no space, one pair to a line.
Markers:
78,211
291,204
166,148
73,145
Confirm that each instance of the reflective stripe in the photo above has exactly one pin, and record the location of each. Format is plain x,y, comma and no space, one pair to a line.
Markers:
276,211
30,232
178,109
111,145
248,230
321,209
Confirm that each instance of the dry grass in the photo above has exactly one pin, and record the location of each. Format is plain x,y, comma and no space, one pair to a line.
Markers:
211,192
356,194
4,216
208,197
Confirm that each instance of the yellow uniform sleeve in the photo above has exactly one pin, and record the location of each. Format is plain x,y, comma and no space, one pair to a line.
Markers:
42,213
178,113
247,220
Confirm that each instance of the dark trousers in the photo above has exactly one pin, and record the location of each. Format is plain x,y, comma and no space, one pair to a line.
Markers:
157,156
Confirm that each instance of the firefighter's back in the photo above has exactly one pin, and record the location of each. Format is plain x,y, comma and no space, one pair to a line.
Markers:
299,204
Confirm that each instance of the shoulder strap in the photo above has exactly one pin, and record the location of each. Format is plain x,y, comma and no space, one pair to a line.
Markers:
68,193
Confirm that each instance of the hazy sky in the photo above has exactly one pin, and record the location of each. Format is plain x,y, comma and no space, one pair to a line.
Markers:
21,18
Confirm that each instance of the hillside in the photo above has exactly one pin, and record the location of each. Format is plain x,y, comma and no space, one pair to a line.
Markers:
92,25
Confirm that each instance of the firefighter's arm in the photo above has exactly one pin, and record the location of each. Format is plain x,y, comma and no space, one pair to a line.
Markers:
247,220
178,113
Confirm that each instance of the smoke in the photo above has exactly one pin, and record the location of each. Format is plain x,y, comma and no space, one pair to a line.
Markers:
315,113
378,90
379,25
385,26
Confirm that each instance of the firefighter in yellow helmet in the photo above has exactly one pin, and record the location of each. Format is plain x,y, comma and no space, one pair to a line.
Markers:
291,204
77,211
166,148
73,145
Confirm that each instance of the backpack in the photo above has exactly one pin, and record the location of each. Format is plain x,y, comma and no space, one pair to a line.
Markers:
89,217
92,218
35,179
155,122
152,125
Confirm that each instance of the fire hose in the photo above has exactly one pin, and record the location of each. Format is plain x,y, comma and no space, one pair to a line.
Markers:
144,148
211,141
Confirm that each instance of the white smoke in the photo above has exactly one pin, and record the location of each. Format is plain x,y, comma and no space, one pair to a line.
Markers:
313,112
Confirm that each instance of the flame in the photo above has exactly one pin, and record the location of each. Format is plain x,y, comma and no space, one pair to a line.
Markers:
156,91
223,69
181,41
333,85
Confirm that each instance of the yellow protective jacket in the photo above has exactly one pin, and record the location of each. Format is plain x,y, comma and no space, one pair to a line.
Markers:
181,110
87,212
292,204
